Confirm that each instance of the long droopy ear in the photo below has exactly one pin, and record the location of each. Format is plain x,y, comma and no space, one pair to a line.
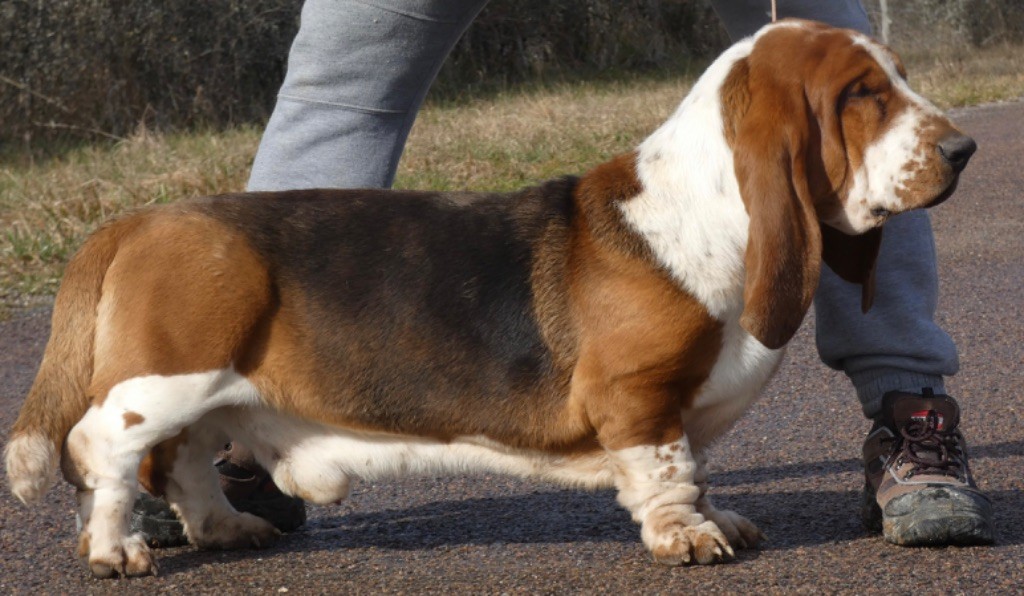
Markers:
770,137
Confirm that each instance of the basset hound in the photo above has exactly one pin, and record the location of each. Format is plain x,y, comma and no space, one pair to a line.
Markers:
597,331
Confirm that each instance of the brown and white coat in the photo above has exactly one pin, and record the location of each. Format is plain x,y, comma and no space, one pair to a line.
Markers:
597,331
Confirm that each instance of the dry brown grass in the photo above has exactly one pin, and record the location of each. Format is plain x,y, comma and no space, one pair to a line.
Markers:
971,78
47,208
519,139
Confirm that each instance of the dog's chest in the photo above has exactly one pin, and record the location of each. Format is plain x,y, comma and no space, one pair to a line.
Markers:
743,366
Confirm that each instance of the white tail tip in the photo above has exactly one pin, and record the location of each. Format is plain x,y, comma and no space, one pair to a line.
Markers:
31,466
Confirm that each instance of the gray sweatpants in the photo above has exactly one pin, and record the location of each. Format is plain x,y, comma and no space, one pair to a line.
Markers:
358,72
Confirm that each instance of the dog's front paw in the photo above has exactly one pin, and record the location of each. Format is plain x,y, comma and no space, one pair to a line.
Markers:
128,557
679,544
240,530
741,532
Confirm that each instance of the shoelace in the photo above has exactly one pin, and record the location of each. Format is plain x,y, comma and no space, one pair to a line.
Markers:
930,449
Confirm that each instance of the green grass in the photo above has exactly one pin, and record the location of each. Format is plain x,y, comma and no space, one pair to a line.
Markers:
508,140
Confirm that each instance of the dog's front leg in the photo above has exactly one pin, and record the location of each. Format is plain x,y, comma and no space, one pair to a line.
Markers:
639,423
656,484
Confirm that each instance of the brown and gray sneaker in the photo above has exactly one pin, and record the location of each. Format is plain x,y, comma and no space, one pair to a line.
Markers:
919,490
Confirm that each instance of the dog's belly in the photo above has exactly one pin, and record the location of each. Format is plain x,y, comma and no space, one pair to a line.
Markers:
316,462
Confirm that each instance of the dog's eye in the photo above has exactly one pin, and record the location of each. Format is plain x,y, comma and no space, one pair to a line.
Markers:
859,90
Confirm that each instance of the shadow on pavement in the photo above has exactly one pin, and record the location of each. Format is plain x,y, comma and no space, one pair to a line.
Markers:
791,520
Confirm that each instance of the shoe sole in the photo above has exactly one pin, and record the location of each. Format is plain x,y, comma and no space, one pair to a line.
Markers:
933,516
153,517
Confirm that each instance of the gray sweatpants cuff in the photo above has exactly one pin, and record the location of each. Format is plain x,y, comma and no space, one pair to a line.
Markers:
872,384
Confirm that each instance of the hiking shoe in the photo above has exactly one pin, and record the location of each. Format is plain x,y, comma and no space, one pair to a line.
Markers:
154,518
248,488
918,486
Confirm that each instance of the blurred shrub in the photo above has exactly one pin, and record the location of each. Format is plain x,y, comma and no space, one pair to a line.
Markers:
94,68
943,27
88,67
515,40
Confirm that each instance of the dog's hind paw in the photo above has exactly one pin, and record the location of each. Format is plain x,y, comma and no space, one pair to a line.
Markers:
130,557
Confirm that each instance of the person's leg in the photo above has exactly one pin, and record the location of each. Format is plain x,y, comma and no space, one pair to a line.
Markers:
357,75
896,345
894,353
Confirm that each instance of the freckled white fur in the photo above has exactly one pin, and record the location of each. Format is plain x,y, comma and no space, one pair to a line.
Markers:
654,476
657,484
890,161
886,169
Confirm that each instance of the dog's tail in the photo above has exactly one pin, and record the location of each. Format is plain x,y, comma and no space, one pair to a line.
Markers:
58,398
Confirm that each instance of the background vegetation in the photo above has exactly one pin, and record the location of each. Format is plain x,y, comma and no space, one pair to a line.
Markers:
108,104
100,68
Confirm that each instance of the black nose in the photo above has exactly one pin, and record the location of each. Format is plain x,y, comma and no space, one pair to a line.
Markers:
957,149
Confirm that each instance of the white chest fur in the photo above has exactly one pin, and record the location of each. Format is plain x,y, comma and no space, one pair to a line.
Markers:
743,366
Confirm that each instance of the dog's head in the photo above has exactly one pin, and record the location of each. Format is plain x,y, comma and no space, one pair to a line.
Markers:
829,141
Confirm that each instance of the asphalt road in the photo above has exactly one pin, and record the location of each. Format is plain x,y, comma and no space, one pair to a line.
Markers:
791,465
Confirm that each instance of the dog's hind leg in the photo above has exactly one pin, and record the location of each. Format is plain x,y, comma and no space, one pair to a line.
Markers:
106,484
105,448
191,486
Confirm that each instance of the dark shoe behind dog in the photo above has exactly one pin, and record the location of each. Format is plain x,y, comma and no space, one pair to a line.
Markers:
919,490
248,488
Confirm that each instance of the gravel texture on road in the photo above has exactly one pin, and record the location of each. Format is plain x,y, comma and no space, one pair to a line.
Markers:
792,465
